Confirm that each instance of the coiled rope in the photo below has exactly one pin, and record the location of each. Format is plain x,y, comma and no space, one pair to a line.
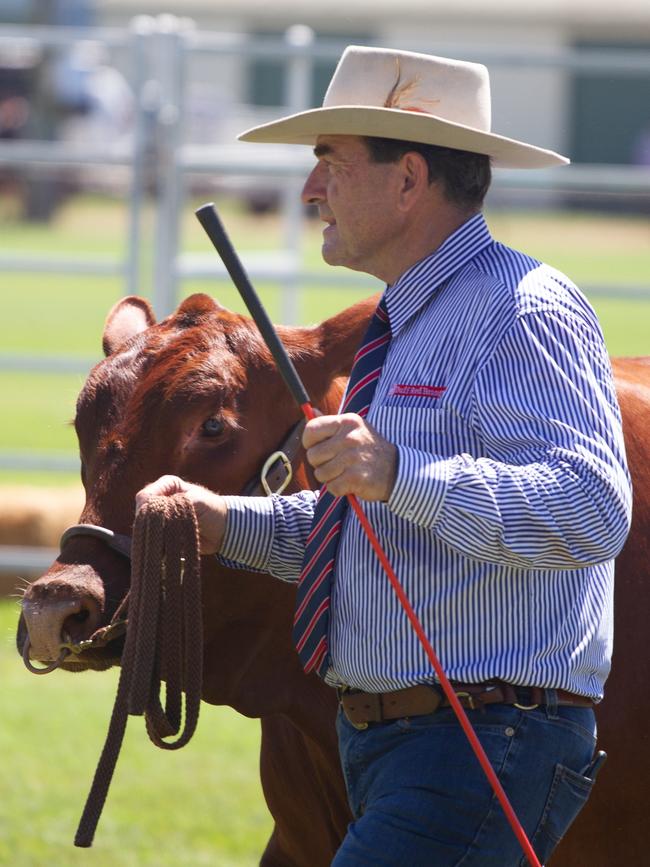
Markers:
164,642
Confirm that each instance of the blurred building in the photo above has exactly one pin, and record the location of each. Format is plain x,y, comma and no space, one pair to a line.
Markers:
70,93
597,117
569,75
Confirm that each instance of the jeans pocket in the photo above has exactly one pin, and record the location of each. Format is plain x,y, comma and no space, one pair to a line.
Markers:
567,796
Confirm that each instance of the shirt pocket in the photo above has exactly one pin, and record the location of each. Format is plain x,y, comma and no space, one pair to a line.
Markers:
440,431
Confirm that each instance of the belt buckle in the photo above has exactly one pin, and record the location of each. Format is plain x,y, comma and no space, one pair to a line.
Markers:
525,706
470,699
341,690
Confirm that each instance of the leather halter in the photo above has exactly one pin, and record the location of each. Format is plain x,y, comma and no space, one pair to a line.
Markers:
117,541
275,475
117,626
277,470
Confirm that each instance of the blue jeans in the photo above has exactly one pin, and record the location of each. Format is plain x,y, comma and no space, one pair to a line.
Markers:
420,798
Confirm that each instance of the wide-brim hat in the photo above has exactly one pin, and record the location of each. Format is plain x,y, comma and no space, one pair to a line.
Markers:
411,97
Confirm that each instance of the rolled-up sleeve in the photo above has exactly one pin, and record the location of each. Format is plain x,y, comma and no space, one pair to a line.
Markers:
268,534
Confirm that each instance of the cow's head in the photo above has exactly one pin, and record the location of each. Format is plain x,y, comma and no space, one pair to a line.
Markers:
196,395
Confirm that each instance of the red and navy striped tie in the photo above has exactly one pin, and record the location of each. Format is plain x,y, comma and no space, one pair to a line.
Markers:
310,627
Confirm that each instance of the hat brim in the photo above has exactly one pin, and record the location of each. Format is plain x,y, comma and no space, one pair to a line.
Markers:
305,127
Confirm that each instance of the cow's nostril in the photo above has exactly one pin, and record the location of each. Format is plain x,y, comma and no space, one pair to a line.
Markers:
80,624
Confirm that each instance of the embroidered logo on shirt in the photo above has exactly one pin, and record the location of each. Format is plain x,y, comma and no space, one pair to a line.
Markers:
431,391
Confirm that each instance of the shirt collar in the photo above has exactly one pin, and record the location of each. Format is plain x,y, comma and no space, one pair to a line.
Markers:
418,284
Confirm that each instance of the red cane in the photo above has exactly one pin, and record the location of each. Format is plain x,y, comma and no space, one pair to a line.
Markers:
210,221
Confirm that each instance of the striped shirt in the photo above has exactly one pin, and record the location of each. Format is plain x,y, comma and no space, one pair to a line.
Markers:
512,495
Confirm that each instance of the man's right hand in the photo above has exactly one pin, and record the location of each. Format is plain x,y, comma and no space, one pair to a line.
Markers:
210,508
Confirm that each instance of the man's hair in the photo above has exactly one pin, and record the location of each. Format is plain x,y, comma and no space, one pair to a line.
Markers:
465,176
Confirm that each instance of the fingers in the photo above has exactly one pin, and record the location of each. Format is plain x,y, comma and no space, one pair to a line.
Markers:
322,427
165,486
350,457
325,452
328,441
210,508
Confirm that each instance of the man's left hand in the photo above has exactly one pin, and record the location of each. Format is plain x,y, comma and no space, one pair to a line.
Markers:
350,457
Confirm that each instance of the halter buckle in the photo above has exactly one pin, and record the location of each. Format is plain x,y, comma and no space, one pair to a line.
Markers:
286,466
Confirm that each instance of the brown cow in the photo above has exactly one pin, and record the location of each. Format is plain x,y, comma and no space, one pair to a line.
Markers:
198,396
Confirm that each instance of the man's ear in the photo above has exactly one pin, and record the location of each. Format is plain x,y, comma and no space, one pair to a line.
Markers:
415,178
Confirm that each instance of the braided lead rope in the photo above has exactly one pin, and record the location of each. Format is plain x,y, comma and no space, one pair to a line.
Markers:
163,642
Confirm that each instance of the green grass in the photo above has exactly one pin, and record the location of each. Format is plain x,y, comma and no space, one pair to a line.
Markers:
593,249
626,325
64,315
202,805
55,314
199,806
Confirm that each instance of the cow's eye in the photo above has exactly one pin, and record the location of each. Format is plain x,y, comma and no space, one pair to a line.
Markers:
212,427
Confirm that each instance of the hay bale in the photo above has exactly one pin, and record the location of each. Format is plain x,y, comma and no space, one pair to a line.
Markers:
35,516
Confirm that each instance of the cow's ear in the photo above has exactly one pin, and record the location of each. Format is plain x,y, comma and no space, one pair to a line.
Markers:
128,317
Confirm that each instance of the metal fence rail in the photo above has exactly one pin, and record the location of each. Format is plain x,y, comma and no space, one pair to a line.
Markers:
157,53
26,560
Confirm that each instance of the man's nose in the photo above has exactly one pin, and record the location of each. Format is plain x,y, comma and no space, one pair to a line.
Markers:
314,191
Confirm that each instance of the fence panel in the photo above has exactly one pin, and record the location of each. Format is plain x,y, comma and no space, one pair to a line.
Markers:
158,51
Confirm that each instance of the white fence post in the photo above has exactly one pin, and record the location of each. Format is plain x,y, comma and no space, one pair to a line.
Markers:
159,50
141,28
299,75
170,61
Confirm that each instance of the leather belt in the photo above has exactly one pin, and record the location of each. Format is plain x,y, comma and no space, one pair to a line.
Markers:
362,708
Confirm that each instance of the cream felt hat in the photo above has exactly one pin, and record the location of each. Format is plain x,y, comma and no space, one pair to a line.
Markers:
408,96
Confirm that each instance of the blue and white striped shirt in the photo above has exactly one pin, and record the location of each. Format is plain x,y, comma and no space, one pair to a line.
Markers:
512,495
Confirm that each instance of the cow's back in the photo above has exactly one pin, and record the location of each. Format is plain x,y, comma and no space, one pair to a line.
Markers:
612,830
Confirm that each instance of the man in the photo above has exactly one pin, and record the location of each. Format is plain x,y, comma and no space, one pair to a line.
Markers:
483,439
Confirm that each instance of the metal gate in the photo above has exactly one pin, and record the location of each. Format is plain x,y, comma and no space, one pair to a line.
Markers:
157,53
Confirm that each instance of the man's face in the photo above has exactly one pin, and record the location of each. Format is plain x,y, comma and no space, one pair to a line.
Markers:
357,198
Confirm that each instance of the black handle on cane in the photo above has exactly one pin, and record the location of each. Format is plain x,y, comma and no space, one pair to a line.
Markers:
209,219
